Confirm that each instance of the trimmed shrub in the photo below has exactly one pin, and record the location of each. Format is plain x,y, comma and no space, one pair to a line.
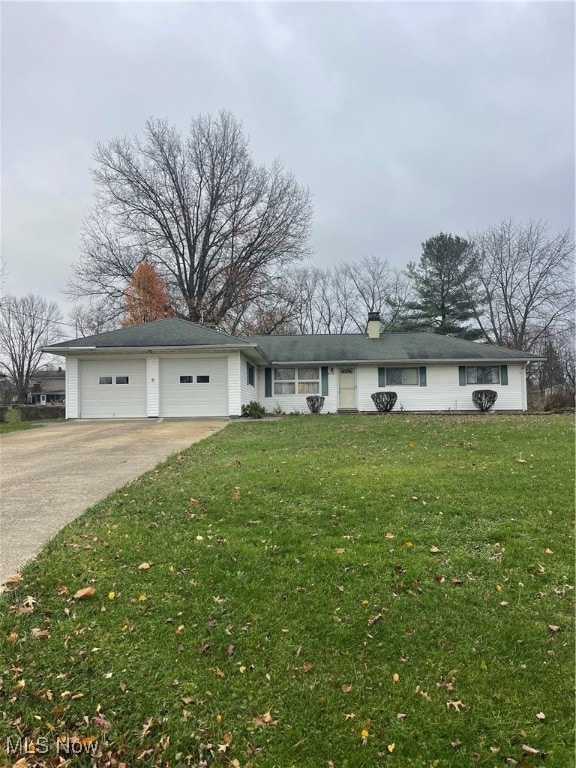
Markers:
384,401
315,403
253,410
484,399
35,412
12,416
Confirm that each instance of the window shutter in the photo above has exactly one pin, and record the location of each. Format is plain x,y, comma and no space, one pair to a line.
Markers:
462,375
381,377
422,377
503,374
324,380
267,382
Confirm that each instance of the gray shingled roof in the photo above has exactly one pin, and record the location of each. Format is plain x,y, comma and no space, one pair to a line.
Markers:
390,347
171,332
351,347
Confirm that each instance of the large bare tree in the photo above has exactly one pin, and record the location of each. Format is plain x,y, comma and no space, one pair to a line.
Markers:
26,325
526,279
197,208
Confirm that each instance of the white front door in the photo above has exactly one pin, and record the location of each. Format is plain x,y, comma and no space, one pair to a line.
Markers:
347,388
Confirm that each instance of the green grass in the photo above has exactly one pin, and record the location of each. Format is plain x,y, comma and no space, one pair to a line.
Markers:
17,426
294,572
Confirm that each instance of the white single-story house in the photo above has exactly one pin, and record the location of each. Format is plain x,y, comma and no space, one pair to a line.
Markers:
175,368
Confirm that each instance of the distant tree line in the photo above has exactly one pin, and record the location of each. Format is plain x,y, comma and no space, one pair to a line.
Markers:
190,226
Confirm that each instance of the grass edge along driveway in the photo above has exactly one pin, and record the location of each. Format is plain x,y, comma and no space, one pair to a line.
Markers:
346,591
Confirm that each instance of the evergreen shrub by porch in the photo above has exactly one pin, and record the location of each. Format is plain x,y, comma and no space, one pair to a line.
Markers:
484,399
253,410
384,401
315,403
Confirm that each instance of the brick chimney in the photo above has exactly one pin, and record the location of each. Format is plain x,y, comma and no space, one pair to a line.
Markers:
374,325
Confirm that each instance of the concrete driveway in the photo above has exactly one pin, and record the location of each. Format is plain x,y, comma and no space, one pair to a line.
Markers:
51,474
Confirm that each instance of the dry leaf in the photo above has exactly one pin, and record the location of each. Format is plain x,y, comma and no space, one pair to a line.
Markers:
456,582
340,550
389,535
391,747
230,649
147,725
346,688
63,590
531,750
408,544
265,719
85,593
395,677
12,637
540,715
308,667
28,604
457,705
218,671
13,578
434,550
101,722
144,566
22,763
38,633
554,628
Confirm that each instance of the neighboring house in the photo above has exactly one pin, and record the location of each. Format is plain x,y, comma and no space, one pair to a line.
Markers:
175,368
47,387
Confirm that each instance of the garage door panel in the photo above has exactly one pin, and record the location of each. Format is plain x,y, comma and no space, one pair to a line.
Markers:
112,389
194,387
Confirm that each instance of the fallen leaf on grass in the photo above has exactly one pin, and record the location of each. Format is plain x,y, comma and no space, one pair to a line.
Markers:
144,566
22,763
263,720
340,550
147,725
457,705
218,671
391,747
12,637
554,628
532,751
13,578
38,633
540,715
101,722
346,688
230,649
85,593
395,677
434,550
63,590
28,605
389,535
456,582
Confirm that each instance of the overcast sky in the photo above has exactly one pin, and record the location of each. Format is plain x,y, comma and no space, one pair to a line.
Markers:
403,119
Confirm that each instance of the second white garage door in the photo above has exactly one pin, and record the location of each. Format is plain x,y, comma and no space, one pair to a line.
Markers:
194,386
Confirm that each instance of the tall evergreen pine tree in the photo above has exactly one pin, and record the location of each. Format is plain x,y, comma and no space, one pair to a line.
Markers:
445,291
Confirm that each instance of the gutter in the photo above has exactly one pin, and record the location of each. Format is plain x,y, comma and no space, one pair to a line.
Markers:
415,361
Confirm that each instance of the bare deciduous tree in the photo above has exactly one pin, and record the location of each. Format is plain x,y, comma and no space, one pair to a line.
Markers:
198,209
94,317
26,325
525,276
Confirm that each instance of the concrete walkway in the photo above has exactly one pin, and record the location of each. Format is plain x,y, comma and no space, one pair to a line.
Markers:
50,475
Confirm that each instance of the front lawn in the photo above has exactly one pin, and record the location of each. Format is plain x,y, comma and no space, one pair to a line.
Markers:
17,426
314,591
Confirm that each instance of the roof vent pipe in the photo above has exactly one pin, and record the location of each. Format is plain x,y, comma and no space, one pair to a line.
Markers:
374,325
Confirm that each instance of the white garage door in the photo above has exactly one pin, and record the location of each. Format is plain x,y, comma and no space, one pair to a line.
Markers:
194,386
112,389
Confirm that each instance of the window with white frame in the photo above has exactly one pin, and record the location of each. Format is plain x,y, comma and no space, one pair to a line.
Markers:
250,374
394,377
304,381
483,374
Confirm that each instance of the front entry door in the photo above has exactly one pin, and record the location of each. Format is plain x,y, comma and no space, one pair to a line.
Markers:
347,388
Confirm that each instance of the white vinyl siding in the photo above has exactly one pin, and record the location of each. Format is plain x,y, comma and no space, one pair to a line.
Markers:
247,391
442,391
115,400
152,386
72,388
199,398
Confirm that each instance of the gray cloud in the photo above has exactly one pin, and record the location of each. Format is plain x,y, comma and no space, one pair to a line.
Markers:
404,119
